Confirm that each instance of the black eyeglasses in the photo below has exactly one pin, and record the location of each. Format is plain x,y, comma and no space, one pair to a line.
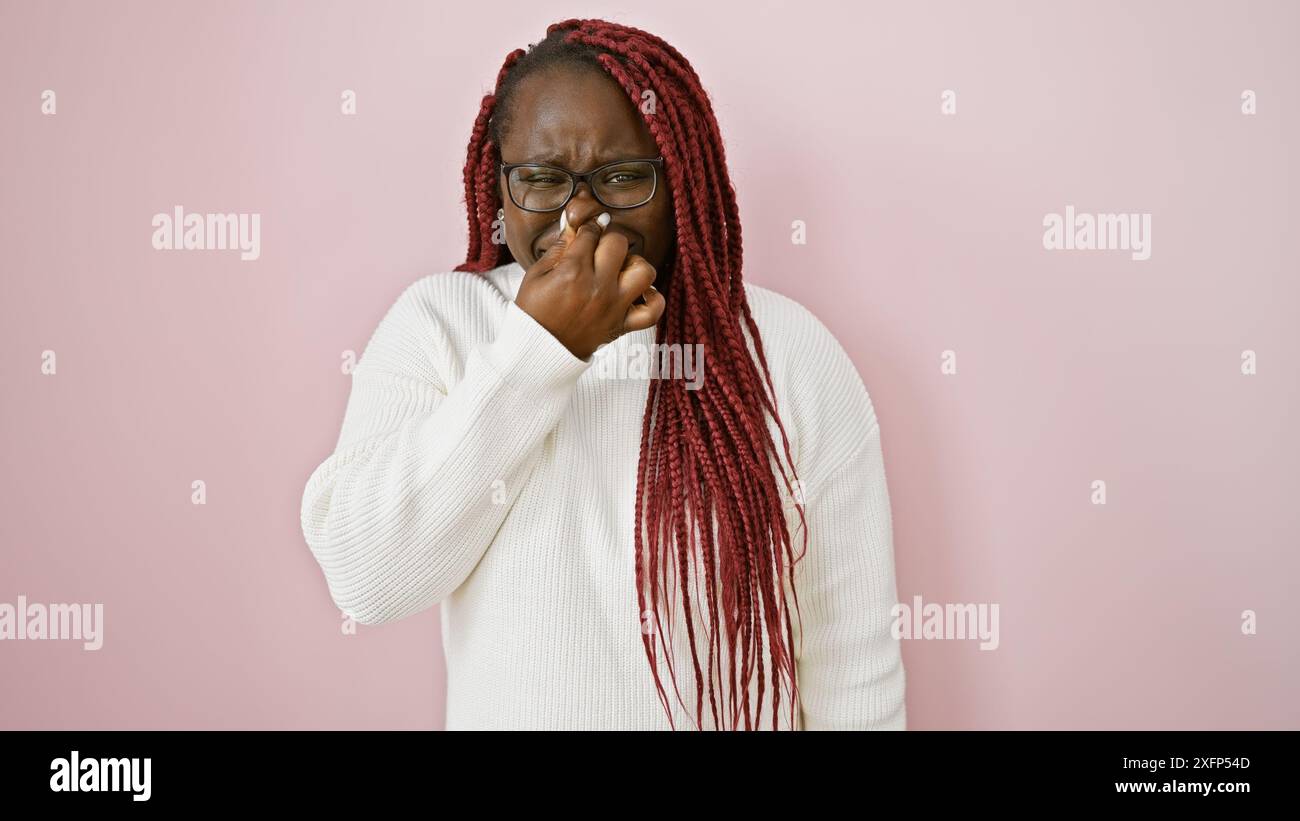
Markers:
620,184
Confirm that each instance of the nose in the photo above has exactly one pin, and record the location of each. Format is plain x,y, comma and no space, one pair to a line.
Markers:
582,207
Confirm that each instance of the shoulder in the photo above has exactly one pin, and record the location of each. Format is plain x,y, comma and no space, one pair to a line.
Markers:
456,302
797,343
451,298
821,396
791,326
434,319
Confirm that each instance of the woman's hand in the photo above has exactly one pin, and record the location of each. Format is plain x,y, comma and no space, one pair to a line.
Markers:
587,290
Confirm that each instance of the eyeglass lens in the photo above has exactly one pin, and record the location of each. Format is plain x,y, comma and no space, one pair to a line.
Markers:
541,188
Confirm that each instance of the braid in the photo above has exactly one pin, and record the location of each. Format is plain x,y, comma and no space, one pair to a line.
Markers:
707,500
481,200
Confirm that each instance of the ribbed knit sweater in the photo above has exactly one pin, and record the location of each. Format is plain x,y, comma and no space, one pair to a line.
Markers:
483,467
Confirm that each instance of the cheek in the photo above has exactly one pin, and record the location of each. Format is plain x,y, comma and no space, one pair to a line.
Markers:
664,228
520,233
660,233
665,214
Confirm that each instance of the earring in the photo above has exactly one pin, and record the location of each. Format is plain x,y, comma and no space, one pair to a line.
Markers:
501,213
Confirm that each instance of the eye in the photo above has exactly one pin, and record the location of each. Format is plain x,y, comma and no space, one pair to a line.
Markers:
541,179
623,178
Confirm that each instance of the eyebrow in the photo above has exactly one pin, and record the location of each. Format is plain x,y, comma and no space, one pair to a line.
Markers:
557,161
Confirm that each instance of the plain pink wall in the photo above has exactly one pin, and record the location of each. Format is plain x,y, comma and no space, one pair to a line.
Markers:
924,235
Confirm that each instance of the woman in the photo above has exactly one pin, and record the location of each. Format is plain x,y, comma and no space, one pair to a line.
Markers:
592,532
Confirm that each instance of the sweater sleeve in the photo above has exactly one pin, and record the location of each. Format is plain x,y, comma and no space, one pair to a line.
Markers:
423,475
850,666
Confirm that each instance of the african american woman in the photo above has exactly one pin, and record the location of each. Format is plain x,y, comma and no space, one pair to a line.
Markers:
645,493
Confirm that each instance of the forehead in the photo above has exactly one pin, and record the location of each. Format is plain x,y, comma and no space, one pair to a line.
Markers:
574,118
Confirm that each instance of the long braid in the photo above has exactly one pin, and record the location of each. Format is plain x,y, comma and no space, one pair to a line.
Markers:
481,199
707,500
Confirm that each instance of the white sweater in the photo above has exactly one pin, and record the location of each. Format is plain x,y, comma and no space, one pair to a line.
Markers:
483,467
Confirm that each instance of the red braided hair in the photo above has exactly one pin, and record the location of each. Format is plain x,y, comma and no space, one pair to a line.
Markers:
703,451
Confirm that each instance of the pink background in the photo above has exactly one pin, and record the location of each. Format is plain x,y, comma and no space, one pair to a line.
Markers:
924,234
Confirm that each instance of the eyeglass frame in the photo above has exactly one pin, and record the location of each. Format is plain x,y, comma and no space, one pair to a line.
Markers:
575,178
